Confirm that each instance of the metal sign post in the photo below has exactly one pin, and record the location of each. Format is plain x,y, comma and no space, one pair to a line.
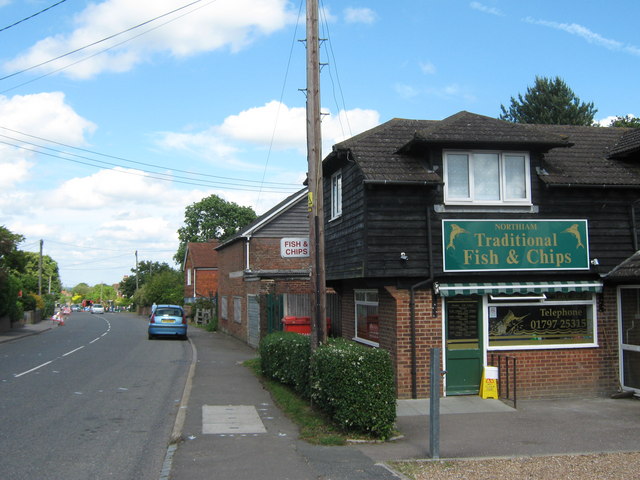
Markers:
434,404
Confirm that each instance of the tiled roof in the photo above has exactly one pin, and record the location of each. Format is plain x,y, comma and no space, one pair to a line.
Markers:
588,161
203,254
376,152
469,128
627,270
629,143
575,155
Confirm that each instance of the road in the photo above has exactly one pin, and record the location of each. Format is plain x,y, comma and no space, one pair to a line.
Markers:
91,399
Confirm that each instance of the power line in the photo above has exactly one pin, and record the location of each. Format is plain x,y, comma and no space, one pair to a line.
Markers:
123,159
101,40
31,16
246,186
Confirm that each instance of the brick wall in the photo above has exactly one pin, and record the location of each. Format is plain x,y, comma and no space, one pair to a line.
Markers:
265,255
574,372
549,373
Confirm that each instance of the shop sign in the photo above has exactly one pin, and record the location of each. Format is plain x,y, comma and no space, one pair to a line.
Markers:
493,245
294,247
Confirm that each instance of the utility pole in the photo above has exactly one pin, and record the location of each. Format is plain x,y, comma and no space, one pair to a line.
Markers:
136,270
314,174
40,269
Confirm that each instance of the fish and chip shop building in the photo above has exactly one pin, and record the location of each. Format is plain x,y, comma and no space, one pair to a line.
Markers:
499,244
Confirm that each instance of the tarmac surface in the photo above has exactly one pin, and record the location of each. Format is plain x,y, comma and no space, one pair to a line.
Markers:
228,426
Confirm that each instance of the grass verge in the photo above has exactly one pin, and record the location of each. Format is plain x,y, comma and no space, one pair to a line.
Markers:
315,427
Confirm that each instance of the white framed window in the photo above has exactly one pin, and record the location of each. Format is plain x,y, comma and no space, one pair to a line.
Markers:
188,276
336,194
237,309
224,315
486,178
367,325
561,320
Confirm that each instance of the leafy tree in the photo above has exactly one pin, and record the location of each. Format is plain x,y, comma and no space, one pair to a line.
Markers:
164,287
626,121
211,218
9,283
549,101
30,274
102,293
145,270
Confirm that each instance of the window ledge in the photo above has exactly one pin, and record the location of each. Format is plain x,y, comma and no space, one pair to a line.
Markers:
365,342
486,208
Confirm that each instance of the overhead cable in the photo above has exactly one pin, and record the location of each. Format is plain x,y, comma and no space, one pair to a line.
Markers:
31,16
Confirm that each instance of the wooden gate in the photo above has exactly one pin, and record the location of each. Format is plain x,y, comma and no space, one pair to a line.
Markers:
275,312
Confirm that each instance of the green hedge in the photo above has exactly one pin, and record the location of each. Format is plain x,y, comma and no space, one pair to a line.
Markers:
352,383
285,357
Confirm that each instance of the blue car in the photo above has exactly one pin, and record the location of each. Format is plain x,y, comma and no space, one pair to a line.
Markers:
168,320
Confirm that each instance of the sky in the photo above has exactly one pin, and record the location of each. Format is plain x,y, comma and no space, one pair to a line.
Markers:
116,115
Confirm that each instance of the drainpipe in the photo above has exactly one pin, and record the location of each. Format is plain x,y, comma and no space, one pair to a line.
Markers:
412,310
247,262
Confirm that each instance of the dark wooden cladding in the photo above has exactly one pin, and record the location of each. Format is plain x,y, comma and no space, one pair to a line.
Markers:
392,182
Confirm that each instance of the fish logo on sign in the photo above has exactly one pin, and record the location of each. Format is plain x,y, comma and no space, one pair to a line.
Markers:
455,231
575,231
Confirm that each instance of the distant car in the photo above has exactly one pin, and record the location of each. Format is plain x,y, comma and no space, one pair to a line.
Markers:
168,320
97,308
75,308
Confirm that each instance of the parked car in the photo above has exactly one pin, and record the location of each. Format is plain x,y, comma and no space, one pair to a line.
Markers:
76,308
97,308
168,320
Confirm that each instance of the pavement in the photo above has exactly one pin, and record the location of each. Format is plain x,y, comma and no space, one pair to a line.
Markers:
228,426
26,330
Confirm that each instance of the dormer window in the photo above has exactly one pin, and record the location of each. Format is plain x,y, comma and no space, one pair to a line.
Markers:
486,178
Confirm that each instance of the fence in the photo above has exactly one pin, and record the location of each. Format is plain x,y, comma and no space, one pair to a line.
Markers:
507,376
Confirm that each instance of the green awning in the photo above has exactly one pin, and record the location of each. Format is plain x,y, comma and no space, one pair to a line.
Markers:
451,289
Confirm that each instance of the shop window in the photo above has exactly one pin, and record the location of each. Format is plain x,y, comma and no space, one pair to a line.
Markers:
556,320
237,309
487,178
367,323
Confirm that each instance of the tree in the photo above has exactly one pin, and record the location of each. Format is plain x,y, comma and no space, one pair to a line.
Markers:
9,283
145,270
212,218
163,287
549,101
626,121
30,275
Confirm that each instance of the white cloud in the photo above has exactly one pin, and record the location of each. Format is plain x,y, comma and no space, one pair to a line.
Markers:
427,68
586,34
360,15
605,122
45,115
211,26
255,126
486,9
107,188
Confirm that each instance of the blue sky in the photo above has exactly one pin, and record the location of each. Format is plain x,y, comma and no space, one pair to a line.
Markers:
102,149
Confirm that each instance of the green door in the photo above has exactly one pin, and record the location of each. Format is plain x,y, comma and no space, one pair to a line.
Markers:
464,345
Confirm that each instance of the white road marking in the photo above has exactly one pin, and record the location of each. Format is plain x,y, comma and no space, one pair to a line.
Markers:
16,375
33,369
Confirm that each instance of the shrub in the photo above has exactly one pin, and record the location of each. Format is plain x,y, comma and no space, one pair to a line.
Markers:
354,385
285,357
